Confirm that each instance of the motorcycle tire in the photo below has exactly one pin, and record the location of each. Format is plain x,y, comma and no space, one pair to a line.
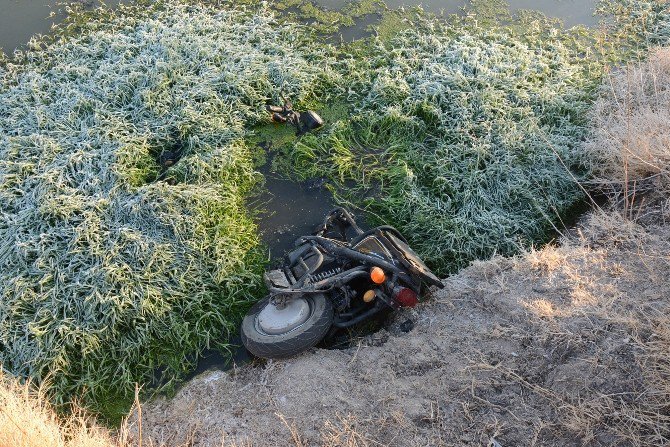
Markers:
294,341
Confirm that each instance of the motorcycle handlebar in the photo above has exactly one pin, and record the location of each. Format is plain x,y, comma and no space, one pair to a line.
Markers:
340,215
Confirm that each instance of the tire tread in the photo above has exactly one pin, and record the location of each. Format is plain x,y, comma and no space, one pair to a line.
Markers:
284,348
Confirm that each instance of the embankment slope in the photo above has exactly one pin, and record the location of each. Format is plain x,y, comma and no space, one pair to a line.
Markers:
562,346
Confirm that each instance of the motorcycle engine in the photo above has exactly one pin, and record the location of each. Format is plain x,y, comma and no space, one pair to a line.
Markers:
342,298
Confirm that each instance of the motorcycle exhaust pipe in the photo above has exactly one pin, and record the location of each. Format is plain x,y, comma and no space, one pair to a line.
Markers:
364,316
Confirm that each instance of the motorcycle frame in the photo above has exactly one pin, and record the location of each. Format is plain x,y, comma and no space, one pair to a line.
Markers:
342,250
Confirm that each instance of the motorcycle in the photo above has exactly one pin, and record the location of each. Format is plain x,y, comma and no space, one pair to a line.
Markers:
337,278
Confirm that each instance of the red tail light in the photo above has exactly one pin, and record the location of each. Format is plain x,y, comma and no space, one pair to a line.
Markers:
406,297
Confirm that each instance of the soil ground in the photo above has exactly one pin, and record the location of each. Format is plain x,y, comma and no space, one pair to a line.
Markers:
564,346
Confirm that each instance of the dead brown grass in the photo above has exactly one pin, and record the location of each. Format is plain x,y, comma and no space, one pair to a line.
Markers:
630,152
28,420
631,120
630,143
615,316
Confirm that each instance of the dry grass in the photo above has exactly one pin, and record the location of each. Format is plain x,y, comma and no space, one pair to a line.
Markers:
630,151
630,143
613,316
28,420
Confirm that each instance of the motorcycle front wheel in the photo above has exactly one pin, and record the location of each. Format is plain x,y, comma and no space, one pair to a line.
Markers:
273,333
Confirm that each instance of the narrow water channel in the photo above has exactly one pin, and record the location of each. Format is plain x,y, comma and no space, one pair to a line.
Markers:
571,12
286,209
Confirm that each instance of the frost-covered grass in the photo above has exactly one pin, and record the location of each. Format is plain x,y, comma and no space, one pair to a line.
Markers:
466,135
109,271
634,26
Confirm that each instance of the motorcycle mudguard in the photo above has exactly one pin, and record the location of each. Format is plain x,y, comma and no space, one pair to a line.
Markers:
417,266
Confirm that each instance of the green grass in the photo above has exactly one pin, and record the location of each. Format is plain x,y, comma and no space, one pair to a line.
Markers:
110,275
462,137
467,134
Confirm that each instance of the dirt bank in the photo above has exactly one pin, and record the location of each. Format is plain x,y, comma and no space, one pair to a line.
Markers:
562,346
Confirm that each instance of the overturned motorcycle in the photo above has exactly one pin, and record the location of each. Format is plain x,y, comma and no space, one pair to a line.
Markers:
333,280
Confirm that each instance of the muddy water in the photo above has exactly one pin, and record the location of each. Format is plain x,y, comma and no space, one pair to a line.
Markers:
290,209
21,19
571,12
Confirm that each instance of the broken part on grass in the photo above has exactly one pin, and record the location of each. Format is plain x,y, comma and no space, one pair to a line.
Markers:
303,121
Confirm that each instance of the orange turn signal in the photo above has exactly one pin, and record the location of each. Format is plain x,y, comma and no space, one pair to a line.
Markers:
377,275
369,296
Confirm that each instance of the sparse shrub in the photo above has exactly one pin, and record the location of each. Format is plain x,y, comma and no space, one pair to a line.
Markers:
630,141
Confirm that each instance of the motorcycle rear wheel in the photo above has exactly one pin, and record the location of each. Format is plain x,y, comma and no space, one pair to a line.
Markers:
273,333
